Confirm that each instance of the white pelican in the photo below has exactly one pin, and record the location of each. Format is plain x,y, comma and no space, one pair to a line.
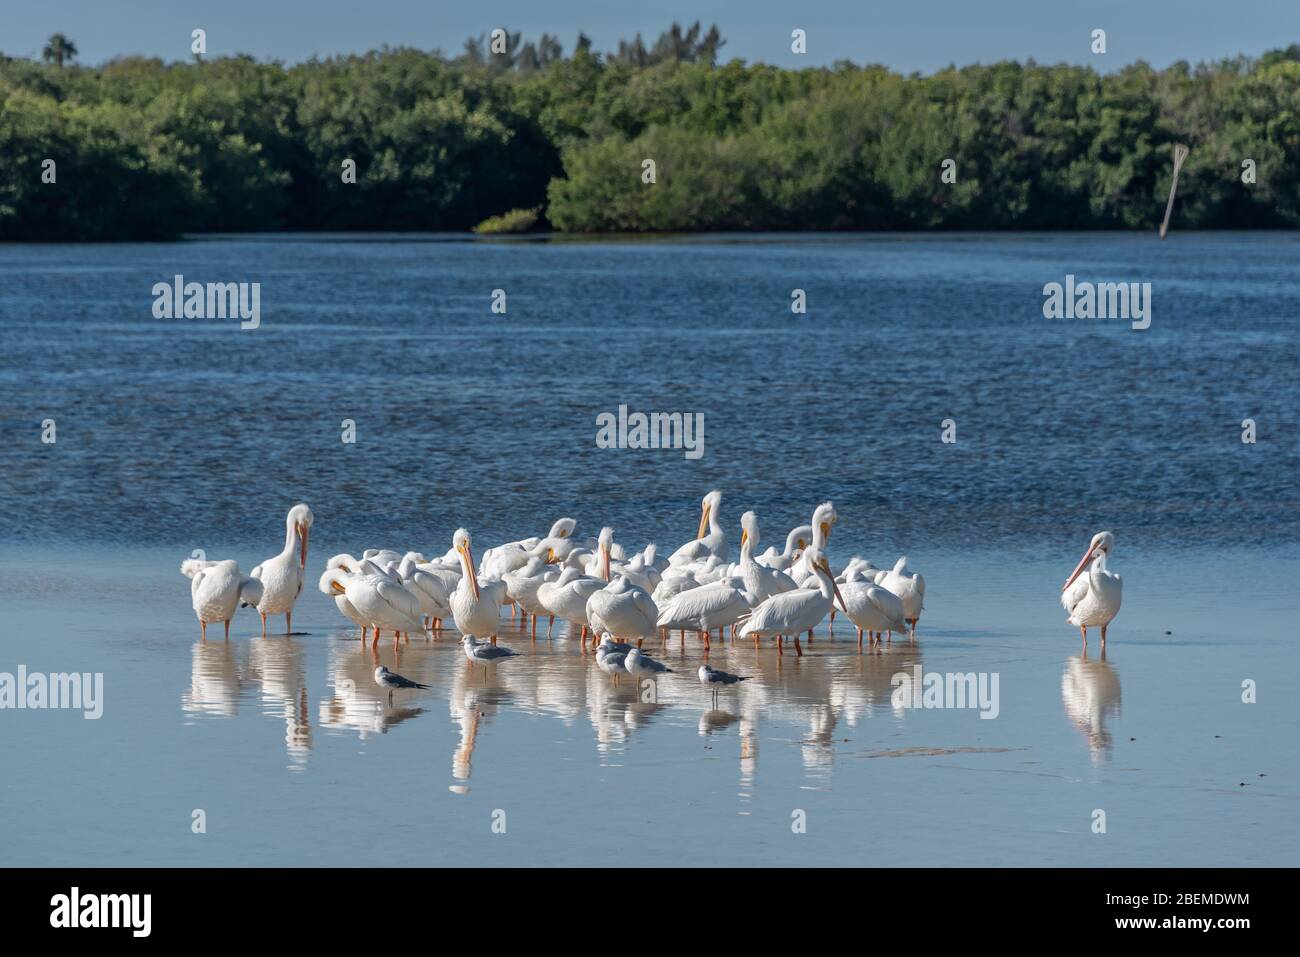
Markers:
216,589
522,586
623,610
430,590
281,576
872,608
392,681
558,542
485,653
379,599
907,585
794,612
760,581
824,518
714,542
798,539
566,598
704,608
1093,599
475,605
326,585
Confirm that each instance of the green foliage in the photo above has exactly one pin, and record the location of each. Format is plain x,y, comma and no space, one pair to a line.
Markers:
511,140
515,221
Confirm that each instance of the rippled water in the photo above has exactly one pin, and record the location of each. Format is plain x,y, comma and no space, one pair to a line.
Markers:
297,757
179,434
188,432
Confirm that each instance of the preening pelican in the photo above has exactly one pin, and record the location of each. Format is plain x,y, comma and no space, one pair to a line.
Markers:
824,519
335,574
379,599
566,598
908,586
623,610
795,543
1094,598
794,612
870,607
216,589
704,608
430,590
522,586
475,605
711,539
282,576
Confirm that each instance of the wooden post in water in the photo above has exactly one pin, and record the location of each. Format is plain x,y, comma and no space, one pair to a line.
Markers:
1180,154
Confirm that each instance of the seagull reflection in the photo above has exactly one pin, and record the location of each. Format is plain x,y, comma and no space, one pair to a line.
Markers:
618,710
1091,694
716,720
357,703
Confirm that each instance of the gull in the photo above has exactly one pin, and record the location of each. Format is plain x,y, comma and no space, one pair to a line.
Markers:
485,653
640,664
715,679
611,661
392,681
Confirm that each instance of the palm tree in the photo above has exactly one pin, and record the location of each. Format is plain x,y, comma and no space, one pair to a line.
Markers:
58,49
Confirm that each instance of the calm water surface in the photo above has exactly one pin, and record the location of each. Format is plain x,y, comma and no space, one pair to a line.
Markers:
175,435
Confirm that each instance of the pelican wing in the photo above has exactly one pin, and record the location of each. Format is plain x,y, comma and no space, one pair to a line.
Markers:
250,591
400,600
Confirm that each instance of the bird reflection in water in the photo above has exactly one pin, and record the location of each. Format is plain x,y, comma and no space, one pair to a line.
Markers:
470,705
358,704
1091,694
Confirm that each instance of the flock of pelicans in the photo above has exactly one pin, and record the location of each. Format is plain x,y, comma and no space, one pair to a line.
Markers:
617,598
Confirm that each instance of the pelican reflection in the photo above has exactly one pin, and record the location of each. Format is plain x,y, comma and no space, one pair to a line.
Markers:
1091,694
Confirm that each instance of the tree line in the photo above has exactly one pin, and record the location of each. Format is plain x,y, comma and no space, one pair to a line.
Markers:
524,135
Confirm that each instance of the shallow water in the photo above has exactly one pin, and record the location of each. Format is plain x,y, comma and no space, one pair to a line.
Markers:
296,756
176,435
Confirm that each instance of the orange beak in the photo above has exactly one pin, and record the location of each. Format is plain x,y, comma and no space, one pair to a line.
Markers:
1078,569
826,567
604,559
303,533
704,522
468,557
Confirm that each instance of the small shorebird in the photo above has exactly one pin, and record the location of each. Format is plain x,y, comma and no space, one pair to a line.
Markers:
1094,598
715,680
485,653
642,665
392,681
611,661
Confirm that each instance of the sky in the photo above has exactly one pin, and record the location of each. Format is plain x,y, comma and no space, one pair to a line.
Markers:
906,35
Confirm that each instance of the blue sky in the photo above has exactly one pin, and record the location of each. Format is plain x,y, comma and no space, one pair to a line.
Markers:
906,35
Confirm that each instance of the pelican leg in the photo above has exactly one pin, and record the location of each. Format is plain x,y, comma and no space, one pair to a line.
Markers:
534,631
1084,630
550,626
376,639
364,631
810,631
263,625
859,641
780,649
797,649
228,631
203,630
288,623
494,639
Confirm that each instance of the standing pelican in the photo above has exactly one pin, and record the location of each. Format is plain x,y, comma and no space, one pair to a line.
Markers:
908,586
794,612
872,608
281,576
710,540
430,590
760,580
566,598
1093,599
475,605
216,589
328,578
704,608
